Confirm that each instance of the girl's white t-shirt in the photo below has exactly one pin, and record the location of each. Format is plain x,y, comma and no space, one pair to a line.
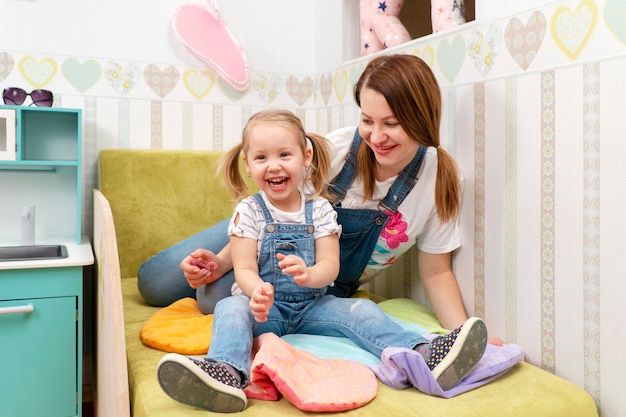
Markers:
415,222
252,220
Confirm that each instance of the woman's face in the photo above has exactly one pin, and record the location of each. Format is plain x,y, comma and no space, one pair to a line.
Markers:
382,131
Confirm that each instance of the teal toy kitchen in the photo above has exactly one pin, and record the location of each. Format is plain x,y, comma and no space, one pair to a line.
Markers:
43,256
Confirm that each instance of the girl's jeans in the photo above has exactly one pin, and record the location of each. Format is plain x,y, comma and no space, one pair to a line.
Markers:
360,320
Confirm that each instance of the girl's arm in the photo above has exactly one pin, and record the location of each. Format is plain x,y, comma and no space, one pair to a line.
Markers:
244,257
326,266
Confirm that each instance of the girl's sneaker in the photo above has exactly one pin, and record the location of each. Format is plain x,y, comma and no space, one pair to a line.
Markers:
450,357
200,383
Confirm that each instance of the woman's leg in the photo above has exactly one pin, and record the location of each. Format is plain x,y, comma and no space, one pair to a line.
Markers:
160,279
208,295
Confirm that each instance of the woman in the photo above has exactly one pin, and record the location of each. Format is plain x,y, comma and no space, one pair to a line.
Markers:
394,186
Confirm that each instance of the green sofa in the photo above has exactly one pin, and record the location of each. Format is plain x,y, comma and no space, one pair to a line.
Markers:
150,199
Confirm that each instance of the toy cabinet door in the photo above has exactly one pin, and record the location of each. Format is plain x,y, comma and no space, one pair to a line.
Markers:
38,350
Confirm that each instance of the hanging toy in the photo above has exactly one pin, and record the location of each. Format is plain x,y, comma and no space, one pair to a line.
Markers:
380,26
201,29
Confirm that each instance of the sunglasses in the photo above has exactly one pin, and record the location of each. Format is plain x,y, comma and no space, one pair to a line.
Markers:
16,96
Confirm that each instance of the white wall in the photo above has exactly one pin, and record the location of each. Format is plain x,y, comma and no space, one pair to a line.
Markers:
286,36
488,10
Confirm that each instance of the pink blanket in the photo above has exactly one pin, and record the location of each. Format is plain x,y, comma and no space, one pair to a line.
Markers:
308,382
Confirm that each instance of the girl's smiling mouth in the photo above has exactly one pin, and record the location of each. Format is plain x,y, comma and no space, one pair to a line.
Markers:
277,182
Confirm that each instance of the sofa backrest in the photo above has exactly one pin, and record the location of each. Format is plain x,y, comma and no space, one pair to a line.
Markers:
159,197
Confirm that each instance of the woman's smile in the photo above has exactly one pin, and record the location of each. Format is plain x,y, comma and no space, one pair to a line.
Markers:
382,132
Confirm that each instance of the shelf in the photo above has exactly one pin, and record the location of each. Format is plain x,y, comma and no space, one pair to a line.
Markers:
50,165
41,165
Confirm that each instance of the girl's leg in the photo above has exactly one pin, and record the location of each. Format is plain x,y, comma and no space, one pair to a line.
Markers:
231,341
360,320
160,279
449,357
214,384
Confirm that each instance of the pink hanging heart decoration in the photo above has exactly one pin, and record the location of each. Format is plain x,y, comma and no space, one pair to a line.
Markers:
203,32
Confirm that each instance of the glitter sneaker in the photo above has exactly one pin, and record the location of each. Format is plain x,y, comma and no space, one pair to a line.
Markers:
200,383
452,356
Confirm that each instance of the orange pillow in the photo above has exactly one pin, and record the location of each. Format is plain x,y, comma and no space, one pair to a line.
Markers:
180,327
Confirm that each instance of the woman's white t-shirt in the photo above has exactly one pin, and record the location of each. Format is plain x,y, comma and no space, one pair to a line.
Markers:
415,222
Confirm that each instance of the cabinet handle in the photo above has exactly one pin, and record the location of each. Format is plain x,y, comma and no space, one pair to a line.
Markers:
28,308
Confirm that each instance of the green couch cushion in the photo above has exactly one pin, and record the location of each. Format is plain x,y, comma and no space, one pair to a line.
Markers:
155,195
524,391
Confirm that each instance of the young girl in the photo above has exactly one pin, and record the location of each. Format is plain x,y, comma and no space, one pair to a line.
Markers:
285,252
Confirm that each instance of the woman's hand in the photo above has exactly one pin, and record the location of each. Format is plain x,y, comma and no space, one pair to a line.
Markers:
496,341
197,276
261,301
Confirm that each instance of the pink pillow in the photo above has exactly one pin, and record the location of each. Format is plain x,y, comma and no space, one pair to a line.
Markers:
309,383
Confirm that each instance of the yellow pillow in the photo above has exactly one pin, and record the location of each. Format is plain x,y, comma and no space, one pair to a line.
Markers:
180,327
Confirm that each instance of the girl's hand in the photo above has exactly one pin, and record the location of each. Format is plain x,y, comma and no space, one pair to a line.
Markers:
195,275
294,266
261,301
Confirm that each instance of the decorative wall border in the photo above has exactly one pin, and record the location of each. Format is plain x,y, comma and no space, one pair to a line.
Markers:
591,230
547,220
510,209
479,200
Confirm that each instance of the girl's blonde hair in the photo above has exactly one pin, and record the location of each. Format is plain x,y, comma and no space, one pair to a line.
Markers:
315,175
413,94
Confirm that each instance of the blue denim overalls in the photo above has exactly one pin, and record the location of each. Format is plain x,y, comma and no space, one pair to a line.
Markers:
298,309
361,228
288,239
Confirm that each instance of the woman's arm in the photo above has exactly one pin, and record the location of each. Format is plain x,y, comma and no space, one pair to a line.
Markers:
441,288
443,291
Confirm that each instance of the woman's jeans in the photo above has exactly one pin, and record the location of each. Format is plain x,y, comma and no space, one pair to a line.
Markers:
360,320
161,281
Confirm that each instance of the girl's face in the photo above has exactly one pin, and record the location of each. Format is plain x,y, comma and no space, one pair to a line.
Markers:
381,130
275,161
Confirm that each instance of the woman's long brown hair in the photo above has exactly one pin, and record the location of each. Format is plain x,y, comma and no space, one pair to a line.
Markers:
413,94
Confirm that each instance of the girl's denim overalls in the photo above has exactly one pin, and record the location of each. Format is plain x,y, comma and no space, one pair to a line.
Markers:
298,309
288,239
360,228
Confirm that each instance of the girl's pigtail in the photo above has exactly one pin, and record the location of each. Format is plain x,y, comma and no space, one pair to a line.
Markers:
229,168
319,170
